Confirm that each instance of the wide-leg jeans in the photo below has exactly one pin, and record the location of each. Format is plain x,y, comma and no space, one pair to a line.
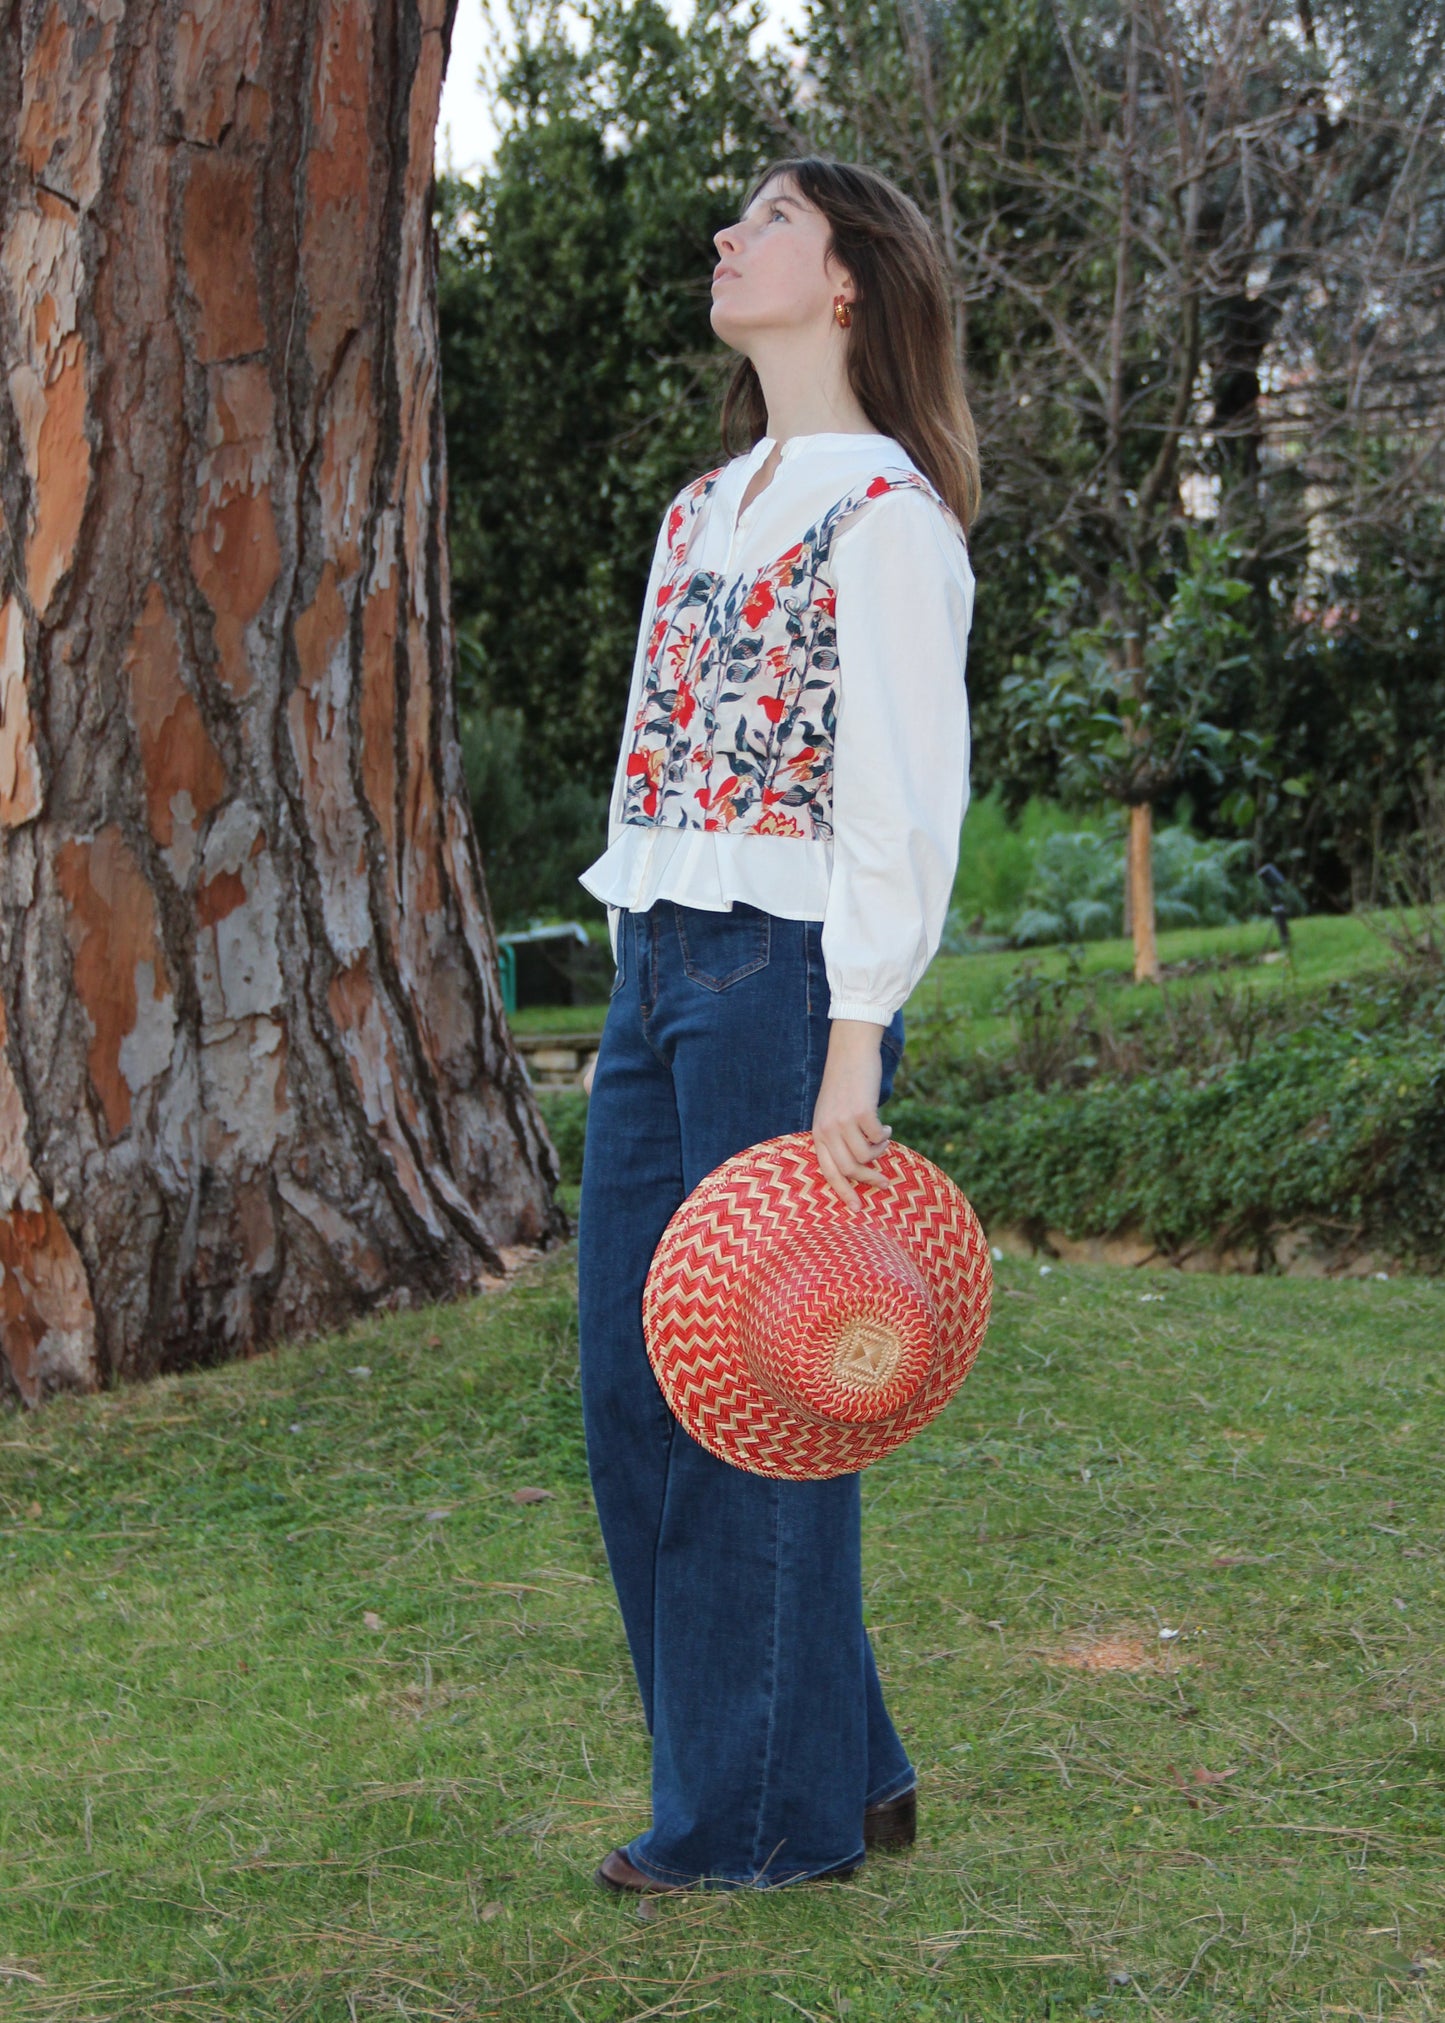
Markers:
741,1595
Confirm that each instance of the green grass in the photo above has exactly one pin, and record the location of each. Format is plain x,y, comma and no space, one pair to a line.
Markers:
225,1794
1326,948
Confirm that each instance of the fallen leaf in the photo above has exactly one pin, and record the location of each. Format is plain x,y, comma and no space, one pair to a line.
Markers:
371,1619
490,1911
531,1495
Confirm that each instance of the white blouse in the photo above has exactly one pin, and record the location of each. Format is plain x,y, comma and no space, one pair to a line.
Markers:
905,587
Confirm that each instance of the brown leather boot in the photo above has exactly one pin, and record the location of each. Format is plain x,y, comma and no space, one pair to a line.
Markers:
893,1824
615,1872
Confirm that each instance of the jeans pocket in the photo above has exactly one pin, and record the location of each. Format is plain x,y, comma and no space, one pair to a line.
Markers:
719,949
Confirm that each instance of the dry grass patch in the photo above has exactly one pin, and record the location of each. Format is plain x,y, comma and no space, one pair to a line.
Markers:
1119,1651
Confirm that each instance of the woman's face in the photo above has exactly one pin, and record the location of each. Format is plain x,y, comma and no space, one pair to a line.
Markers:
774,270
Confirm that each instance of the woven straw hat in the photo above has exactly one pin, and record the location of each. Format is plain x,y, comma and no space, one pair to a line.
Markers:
794,1337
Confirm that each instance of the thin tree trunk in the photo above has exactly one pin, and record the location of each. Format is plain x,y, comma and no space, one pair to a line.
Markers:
1140,886
255,1074
1139,863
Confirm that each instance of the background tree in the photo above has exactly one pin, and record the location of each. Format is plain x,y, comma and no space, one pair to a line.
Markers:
1197,255
255,1074
582,382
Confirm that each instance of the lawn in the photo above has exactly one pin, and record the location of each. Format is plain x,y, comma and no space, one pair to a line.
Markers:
309,1714
972,989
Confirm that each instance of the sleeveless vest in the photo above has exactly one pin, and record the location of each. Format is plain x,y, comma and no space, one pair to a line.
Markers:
735,725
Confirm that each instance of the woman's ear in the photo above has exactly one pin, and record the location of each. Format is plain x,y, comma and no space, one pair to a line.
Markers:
840,281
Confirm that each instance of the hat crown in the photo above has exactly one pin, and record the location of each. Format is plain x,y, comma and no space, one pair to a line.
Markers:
838,1324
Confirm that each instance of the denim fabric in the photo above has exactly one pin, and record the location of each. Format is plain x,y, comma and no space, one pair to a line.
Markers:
741,1596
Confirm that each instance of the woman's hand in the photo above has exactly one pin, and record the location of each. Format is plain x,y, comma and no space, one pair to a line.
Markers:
587,1073
847,1135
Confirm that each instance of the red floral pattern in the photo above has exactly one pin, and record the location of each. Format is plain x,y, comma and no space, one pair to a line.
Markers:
735,726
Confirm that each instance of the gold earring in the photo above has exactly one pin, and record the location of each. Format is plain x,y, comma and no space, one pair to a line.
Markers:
843,311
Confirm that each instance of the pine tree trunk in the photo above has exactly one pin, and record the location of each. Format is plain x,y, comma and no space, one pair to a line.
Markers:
255,1074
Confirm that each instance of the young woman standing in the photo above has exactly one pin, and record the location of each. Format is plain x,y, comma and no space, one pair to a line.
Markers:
781,849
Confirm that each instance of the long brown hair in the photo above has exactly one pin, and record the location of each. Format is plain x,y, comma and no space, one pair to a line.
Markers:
902,364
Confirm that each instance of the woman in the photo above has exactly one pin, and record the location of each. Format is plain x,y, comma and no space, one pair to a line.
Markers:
782,843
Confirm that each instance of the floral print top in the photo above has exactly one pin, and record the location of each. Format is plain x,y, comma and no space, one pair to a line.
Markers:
736,723
796,735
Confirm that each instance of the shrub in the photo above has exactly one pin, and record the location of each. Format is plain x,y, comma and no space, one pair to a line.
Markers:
564,1112
1318,1128
533,843
1076,892
1222,1123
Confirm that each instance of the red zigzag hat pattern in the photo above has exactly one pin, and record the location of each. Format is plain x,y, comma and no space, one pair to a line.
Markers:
793,1337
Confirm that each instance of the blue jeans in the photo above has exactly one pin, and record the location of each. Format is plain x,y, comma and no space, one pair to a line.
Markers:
741,1596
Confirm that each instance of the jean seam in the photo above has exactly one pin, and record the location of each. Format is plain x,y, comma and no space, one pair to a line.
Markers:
802,1111
895,1788
659,1872
643,1015
772,1675
657,1557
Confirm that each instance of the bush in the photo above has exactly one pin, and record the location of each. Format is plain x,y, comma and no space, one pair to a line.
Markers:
996,858
1313,1129
533,842
1222,1135
1076,892
564,1112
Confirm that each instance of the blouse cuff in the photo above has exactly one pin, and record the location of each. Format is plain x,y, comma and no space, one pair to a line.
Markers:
858,1008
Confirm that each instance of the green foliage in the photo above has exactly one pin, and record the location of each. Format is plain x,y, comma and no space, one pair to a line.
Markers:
1077,889
997,852
535,836
580,375
1316,1129
1130,735
1348,692
1225,1113
564,1111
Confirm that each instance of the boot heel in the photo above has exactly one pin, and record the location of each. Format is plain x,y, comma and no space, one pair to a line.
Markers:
893,1824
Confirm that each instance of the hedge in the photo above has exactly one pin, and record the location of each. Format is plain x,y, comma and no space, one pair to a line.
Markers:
1321,1128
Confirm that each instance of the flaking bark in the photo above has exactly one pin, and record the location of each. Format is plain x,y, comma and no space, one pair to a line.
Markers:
255,1074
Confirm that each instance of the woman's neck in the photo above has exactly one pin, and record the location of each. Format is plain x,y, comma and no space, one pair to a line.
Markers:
807,392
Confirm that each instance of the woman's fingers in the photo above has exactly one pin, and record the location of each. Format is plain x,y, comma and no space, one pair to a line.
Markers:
833,1173
846,1154
864,1139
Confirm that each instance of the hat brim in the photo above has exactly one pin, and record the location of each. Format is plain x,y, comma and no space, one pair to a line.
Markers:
762,1197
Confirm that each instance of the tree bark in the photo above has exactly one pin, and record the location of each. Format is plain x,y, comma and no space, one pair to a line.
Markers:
255,1073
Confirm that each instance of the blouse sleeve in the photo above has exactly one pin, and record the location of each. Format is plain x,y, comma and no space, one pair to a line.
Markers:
900,758
634,696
